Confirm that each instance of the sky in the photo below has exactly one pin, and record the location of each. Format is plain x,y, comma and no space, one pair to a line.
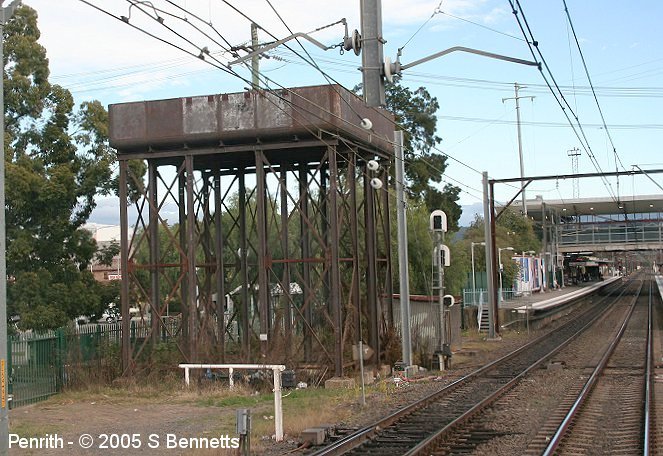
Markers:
99,57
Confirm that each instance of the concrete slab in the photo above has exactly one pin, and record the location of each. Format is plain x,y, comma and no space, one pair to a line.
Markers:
544,301
314,436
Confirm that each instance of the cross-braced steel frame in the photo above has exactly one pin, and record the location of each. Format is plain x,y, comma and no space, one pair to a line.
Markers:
265,252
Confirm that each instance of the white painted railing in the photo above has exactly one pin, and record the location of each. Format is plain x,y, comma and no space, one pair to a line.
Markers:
276,368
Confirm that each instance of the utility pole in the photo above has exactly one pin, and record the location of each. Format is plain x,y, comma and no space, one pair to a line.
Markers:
490,272
7,12
520,145
255,59
372,54
574,154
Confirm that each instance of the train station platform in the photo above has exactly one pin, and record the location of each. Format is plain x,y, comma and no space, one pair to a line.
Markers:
555,298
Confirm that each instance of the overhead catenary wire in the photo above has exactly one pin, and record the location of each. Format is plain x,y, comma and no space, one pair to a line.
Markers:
312,61
533,46
223,68
436,11
468,193
232,72
598,105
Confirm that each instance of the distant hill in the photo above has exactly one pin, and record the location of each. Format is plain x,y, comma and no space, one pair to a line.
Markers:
461,233
468,213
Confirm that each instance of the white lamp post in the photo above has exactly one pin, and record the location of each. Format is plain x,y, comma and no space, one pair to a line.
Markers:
474,280
499,258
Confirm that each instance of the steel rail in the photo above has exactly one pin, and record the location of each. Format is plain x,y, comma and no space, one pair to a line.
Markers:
556,439
369,432
648,376
425,445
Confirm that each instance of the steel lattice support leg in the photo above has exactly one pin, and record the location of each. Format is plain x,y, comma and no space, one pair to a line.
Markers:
219,277
191,296
154,250
334,273
127,362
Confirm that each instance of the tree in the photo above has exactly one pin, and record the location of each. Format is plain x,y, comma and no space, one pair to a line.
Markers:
511,230
57,161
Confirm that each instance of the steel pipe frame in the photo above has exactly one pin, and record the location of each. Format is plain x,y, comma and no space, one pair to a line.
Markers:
338,206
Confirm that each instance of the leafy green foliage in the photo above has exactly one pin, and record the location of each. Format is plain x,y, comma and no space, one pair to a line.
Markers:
57,161
512,230
415,111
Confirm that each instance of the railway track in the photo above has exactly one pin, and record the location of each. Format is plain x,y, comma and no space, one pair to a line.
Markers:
611,413
415,429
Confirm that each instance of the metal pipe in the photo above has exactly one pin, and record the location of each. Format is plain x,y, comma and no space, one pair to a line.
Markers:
371,287
261,222
404,278
470,51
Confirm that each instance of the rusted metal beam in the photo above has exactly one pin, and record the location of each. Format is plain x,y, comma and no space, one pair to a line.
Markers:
124,269
305,246
285,247
219,276
192,295
154,249
334,274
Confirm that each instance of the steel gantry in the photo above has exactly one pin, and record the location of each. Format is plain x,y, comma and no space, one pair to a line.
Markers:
258,236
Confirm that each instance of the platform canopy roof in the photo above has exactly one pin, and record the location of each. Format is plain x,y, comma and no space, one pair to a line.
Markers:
594,206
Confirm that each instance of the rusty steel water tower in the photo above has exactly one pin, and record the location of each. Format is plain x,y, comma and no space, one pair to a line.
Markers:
275,214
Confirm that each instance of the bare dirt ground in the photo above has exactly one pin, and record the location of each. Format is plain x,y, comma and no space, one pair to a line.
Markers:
157,412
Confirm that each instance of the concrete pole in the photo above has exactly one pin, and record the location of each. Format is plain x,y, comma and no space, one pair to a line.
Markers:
255,60
487,216
520,144
7,12
402,250
371,54
474,279
520,151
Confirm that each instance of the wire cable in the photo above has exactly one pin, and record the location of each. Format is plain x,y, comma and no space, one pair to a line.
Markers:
436,11
443,177
561,99
598,105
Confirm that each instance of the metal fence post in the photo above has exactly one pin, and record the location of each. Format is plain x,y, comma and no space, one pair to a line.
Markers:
60,347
